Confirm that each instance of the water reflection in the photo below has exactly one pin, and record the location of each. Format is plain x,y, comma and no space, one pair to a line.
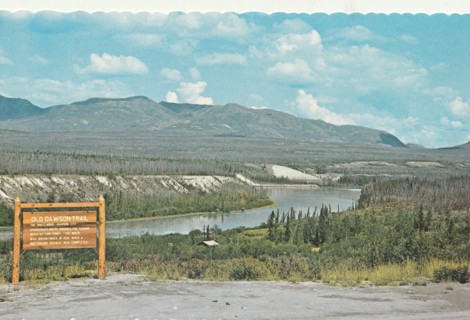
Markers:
285,198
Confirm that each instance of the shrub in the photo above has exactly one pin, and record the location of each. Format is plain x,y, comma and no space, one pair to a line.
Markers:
195,269
248,269
460,274
5,268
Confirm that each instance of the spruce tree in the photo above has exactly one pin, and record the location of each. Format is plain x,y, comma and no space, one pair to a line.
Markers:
287,232
272,226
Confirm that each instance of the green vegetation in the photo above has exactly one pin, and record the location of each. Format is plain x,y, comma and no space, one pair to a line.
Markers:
406,230
387,246
440,194
230,197
148,152
124,206
459,274
6,215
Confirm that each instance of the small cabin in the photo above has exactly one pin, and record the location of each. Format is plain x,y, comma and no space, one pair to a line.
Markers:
208,243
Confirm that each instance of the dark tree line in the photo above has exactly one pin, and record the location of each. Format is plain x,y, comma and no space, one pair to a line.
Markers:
440,194
373,238
294,227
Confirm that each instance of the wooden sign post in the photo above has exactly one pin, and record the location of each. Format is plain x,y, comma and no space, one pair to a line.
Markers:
44,230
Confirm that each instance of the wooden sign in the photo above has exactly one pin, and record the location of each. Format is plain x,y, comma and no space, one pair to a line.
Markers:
59,230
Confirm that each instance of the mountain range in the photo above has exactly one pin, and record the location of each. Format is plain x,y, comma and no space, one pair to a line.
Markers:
11,108
141,113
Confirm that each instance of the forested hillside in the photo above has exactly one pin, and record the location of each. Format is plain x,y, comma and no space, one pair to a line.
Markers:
121,153
439,194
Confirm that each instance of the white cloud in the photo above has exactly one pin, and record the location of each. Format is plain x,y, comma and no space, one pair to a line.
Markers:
411,121
3,59
183,47
298,42
352,73
460,107
190,92
409,39
367,68
221,58
194,74
295,72
296,58
292,26
254,52
171,97
171,74
289,47
232,25
451,123
440,93
192,21
144,39
110,64
407,129
439,67
196,25
154,19
46,92
309,107
38,59
357,33
256,97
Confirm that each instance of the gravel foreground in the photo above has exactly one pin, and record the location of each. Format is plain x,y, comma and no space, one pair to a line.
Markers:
133,297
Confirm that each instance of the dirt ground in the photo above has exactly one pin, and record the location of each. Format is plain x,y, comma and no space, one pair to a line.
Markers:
132,297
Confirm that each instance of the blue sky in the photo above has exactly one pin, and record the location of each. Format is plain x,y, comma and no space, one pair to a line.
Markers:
406,74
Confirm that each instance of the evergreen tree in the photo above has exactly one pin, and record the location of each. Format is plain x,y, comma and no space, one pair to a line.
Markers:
292,214
428,221
419,220
272,226
287,232
323,222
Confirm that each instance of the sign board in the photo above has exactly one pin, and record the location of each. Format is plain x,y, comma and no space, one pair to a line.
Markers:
53,229
59,230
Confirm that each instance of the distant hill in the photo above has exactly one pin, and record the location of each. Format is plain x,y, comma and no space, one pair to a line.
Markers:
465,146
415,146
141,113
12,108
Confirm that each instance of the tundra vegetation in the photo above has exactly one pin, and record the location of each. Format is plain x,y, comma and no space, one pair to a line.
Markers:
148,153
411,225
113,154
386,242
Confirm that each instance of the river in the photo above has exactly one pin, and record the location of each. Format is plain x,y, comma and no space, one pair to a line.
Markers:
284,198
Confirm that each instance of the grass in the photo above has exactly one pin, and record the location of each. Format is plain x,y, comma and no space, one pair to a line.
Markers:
256,233
362,249
408,273
264,268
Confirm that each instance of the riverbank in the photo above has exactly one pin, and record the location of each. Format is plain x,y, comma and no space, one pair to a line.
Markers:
185,215
351,250
128,296
280,198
